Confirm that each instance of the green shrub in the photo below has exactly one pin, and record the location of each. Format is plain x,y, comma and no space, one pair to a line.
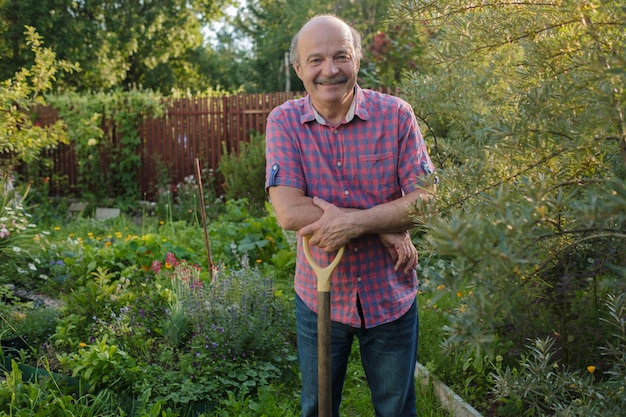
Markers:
244,172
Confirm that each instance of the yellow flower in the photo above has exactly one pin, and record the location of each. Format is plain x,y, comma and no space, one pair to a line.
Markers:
161,222
107,243
459,294
81,344
57,228
168,265
259,261
441,287
591,369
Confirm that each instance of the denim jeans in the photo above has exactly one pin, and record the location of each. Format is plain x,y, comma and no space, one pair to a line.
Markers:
388,356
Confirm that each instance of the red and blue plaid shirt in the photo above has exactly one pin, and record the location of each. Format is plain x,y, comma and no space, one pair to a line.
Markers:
371,158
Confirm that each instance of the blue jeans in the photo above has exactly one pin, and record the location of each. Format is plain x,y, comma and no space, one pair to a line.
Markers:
388,356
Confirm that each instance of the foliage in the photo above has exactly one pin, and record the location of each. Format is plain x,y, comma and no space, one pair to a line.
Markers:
45,397
36,323
391,53
15,222
121,45
21,139
238,238
181,202
104,130
244,172
544,386
532,185
153,330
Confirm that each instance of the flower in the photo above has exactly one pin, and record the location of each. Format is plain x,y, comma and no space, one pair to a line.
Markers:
92,142
82,344
591,369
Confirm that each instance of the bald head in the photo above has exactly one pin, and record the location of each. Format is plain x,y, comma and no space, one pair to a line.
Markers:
323,23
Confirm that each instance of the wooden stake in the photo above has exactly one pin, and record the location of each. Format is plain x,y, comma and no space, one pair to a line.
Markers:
203,214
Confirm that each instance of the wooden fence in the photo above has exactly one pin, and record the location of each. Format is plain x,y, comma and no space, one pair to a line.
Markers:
190,128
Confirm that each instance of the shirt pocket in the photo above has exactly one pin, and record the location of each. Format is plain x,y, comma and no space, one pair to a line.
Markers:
378,175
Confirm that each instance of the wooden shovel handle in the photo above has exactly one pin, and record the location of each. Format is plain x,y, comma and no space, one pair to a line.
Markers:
324,368
323,274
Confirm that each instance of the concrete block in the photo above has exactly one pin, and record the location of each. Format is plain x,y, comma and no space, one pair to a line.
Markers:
104,213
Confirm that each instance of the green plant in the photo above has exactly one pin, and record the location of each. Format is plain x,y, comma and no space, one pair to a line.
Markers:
48,394
543,386
238,238
16,227
33,324
21,138
104,129
244,172
101,365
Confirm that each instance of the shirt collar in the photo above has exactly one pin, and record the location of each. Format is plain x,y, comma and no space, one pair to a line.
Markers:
356,109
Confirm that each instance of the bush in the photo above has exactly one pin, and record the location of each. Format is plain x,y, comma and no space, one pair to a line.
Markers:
244,173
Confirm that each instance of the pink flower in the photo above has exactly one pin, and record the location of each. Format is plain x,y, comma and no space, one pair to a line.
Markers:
156,266
170,258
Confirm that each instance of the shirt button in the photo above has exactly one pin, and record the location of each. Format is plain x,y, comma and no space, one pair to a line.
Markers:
339,164
335,132
346,192
358,279
355,249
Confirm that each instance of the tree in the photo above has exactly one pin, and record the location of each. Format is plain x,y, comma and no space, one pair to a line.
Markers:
21,139
155,44
523,105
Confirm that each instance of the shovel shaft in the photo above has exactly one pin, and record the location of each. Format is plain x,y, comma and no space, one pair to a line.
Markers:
324,377
324,370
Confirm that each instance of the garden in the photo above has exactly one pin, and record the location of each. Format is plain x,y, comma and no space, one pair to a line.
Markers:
123,317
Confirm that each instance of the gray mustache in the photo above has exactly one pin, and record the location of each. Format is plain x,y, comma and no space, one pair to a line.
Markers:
332,80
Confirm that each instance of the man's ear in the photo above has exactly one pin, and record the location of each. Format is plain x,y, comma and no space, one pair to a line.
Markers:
297,68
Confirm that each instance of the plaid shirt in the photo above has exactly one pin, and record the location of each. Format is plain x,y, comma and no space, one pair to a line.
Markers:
372,157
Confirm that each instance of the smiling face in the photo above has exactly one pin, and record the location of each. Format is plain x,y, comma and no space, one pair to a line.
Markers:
327,64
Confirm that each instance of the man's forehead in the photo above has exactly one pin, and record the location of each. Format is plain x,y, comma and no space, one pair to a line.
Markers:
325,43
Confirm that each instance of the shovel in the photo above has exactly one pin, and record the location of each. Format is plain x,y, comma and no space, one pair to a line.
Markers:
324,383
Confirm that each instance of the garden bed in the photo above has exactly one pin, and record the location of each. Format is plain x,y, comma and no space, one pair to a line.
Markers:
449,400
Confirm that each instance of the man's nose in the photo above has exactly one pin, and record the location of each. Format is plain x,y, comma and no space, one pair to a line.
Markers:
329,66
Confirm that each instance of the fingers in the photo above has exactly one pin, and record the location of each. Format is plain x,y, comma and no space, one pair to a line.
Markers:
407,256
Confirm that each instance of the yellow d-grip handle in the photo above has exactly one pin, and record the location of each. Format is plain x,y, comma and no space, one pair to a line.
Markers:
323,274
